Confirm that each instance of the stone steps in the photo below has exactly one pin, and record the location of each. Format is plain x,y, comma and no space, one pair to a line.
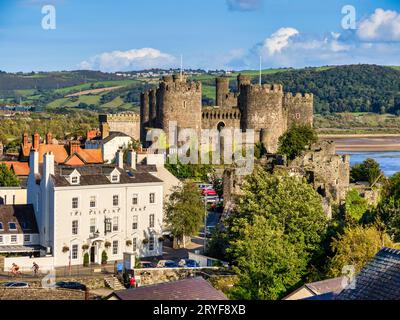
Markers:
113,283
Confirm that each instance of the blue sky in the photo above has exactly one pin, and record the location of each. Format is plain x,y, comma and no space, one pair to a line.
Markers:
119,35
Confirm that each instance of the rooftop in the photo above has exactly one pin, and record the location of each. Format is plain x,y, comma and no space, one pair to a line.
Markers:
378,280
111,136
23,216
187,289
99,175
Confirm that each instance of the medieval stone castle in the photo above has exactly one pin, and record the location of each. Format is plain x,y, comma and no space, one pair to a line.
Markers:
264,108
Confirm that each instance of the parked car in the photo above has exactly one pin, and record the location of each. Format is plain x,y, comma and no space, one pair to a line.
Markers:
204,185
209,192
167,264
71,285
188,263
15,285
147,265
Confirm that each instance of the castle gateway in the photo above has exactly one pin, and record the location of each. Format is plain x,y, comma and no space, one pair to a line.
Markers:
264,108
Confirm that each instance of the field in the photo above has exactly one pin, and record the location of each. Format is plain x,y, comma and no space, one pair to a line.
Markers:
357,123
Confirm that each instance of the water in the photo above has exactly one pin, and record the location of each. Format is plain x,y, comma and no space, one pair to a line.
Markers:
389,161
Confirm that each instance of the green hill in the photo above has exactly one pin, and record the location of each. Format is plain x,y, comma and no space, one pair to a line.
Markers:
353,88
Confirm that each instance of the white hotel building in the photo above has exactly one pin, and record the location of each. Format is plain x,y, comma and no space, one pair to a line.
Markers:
95,208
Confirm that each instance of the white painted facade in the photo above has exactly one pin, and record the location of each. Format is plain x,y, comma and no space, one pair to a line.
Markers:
75,216
109,148
12,195
18,239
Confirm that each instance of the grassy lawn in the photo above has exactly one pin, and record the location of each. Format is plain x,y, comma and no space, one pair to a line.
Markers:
94,85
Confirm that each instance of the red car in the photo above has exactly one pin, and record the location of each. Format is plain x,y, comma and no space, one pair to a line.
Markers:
209,192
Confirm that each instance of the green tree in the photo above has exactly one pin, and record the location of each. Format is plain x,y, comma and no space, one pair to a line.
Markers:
355,207
295,141
184,211
7,177
356,247
285,201
259,150
369,171
293,229
387,212
267,262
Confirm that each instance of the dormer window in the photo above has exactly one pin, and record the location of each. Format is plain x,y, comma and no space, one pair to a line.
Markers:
74,178
12,226
115,176
1,226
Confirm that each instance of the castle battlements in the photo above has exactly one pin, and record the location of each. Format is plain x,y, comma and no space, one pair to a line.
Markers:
181,86
307,96
124,116
266,108
266,88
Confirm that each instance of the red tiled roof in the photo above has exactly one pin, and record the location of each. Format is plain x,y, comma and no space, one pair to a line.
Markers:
18,167
61,153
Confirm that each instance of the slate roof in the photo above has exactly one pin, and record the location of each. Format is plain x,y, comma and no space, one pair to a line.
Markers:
326,286
322,289
111,136
22,215
188,289
378,280
99,175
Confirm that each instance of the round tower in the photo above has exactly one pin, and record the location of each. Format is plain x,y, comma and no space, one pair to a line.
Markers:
242,80
222,84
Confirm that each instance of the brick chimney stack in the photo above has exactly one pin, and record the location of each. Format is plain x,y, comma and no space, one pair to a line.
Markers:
36,141
49,138
105,130
25,139
74,147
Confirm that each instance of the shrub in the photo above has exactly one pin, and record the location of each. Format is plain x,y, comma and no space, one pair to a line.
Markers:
86,259
104,257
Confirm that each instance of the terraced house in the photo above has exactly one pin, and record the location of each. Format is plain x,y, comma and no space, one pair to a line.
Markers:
95,209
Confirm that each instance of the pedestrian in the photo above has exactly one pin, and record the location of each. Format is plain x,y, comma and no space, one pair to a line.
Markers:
15,270
35,268
132,282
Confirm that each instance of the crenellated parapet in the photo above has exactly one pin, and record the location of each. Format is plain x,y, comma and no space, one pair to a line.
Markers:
299,108
266,108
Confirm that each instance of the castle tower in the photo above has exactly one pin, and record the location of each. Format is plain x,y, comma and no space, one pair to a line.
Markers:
152,108
262,111
144,114
179,101
222,84
299,109
242,80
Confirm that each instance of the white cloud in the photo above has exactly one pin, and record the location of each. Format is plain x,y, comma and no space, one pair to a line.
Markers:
135,59
279,40
380,26
244,5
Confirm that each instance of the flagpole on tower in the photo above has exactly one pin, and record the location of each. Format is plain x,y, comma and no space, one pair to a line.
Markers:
260,70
